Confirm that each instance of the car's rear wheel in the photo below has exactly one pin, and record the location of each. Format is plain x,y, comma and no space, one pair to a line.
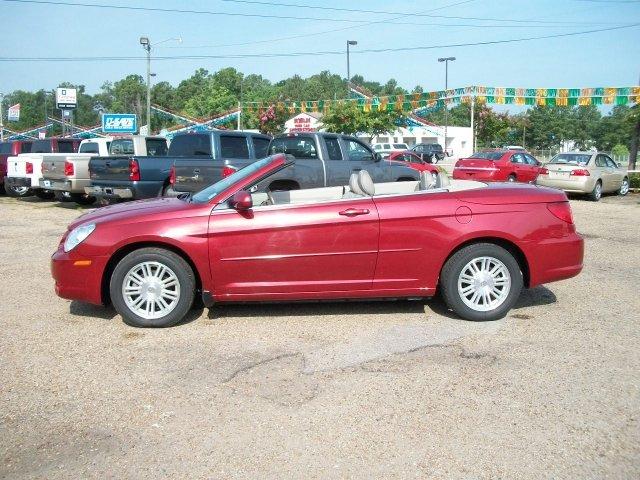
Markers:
152,287
45,194
624,187
596,193
481,282
18,192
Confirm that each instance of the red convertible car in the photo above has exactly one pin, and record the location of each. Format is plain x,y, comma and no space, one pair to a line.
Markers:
498,166
234,242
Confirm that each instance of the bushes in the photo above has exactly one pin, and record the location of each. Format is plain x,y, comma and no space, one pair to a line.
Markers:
634,180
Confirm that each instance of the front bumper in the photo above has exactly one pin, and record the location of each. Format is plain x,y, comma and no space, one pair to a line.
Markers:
72,186
574,184
109,192
78,277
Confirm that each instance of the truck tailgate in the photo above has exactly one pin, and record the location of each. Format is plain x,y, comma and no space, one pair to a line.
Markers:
109,168
16,166
194,174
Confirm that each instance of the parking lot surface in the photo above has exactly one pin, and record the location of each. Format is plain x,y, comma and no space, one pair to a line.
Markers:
335,390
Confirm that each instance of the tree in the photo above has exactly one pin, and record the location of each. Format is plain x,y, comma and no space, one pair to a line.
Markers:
348,118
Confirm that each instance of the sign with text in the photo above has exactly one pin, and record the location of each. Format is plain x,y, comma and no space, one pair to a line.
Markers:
66,98
119,123
13,114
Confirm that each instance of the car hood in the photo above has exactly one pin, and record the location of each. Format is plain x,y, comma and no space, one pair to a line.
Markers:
138,208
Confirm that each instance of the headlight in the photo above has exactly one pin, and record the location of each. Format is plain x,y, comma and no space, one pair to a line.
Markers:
78,235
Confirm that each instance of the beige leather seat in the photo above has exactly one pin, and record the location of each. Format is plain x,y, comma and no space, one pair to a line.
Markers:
366,183
354,187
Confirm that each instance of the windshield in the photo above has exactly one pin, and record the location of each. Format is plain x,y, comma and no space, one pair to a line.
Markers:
487,155
573,158
203,196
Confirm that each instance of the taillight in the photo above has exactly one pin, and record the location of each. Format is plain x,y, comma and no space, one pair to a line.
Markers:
544,171
29,167
580,172
227,170
134,170
68,169
561,210
172,175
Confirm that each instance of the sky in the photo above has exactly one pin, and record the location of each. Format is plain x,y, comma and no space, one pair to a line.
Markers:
609,58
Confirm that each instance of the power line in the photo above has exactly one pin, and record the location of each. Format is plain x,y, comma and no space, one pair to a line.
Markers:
287,17
320,53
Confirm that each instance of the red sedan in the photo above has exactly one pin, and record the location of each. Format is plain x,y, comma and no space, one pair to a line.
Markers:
498,166
231,242
410,159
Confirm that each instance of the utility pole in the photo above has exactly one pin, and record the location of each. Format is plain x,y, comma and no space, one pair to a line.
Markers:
473,129
349,42
146,44
1,118
240,105
446,61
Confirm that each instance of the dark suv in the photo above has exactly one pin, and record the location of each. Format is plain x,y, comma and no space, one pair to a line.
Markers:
429,152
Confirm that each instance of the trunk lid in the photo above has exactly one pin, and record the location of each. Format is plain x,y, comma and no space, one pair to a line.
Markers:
511,193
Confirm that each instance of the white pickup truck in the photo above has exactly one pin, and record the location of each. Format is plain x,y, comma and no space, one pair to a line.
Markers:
67,175
25,170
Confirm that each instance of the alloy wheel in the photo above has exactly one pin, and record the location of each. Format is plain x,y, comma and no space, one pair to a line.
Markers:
151,290
484,284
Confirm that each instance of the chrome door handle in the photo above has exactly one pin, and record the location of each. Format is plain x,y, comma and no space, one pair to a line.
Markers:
354,212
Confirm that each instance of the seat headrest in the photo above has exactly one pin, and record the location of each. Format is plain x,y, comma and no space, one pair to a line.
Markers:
426,180
366,183
443,180
354,185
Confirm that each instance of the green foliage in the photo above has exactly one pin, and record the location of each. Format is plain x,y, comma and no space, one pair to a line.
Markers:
346,117
634,180
620,150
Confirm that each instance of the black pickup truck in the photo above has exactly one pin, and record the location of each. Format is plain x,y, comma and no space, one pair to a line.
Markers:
322,160
202,159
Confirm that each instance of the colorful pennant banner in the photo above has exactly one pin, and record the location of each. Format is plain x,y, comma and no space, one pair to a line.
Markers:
491,95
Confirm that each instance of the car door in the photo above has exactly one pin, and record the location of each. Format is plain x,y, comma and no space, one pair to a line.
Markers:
289,249
533,166
519,167
361,158
617,174
607,174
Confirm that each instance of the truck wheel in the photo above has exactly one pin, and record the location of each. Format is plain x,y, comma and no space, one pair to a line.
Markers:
481,282
45,194
62,196
152,287
19,192
83,198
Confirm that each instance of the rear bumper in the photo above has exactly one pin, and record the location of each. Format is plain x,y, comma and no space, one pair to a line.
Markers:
574,185
75,281
556,259
109,192
72,185
17,182
467,173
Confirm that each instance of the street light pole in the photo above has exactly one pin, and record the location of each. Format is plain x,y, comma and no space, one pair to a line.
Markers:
1,118
349,42
446,61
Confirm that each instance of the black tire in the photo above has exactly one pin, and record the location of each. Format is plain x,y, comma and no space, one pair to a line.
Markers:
45,194
168,191
2,190
453,269
19,192
596,193
183,272
511,178
62,196
83,199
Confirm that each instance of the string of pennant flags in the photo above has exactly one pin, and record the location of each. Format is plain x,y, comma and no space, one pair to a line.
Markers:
566,97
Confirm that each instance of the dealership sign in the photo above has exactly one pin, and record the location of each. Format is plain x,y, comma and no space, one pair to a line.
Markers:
119,123
13,115
66,98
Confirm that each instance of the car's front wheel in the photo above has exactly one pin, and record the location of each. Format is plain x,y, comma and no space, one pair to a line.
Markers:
152,287
624,187
481,282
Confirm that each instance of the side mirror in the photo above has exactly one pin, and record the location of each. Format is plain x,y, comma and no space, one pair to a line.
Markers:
377,157
241,201
619,165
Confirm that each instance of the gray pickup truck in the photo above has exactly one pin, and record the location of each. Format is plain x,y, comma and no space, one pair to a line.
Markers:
125,175
202,159
322,160
328,159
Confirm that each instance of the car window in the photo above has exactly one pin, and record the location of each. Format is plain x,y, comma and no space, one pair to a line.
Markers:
25,147
356,151
600,161
89,147
65,146
191,145
399,145
576,158
122,146
333,148
41,146
5,148
610,162
518,158
156,147
530,159
299,147
233,147
261,146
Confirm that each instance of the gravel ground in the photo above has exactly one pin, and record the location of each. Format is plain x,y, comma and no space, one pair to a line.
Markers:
338,390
